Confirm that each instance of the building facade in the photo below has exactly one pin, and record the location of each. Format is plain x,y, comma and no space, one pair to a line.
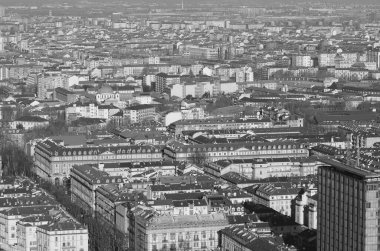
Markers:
348,207
53,161
153,232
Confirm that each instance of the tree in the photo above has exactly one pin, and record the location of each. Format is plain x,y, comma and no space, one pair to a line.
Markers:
55,127
206,95
15,160
7,113
364,106
19,127
189,97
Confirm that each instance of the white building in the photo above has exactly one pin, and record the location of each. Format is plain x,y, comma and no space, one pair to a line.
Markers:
302,61
62,236
305,208
2,42
89,110
27,231
29,122
279,199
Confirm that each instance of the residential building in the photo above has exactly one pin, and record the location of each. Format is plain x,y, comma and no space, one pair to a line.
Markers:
89,110
48,83
164,80
302,61
10,217
151,231
259,168
54,161
239,150
65,95
27,231
140,113
248,238
29,122
278,198
109,196
62,235
305,208
84,180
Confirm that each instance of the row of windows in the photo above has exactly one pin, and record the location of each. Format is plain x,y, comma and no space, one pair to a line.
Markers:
274,147
95,152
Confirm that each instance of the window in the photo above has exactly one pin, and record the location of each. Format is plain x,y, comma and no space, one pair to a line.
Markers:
203,234
180,237
204,244
196,237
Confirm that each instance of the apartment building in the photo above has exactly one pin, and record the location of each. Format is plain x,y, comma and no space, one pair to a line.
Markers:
10,217
302,61
65,95
29,122
109,196
47,83
305,208
84,181
237,150
202,52
326,59
280,199
27,231
53,161
247,238
140,113
152,231
227,123
164,80
89,110
259,168
62,236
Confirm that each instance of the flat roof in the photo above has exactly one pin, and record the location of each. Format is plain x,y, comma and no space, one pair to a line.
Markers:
350,169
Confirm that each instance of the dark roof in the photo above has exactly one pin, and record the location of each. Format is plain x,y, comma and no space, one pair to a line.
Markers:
31,119
139,107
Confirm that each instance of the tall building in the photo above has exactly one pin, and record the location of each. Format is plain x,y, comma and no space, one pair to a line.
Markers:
373,55
348,206
2,11
2,41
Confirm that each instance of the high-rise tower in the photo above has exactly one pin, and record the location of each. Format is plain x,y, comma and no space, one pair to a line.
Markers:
348,208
